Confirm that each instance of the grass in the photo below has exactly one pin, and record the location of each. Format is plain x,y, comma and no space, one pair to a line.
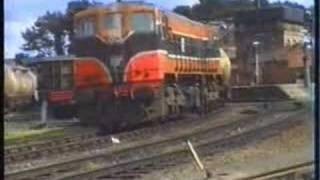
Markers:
25,136
92,166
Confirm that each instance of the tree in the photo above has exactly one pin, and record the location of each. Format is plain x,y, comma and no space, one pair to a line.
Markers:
261,3
22,56
208,10
184,10
37,40
55,24
46,36
49,34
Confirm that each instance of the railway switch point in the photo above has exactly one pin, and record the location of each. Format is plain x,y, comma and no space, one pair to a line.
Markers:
195,155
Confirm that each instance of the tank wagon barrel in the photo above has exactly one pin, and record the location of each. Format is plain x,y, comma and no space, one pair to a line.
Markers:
20,86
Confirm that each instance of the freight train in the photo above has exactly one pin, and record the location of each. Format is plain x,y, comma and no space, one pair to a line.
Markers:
20,87
136,63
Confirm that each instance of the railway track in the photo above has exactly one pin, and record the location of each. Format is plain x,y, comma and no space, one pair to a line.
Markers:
206,147
301,171
36,150
11,150
85,145
83,142
115,157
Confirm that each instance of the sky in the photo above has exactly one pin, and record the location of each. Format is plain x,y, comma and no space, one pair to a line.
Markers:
20,14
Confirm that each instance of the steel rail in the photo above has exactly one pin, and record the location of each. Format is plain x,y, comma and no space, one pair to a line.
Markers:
56,169
9,152
77,143
286,171
136,168
33,150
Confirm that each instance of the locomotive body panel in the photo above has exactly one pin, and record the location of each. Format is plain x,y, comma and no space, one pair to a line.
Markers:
91,73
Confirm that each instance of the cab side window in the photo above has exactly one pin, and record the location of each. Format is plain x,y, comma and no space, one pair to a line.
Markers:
85,28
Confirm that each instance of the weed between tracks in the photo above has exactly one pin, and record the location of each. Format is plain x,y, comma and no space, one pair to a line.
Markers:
91,166
25,136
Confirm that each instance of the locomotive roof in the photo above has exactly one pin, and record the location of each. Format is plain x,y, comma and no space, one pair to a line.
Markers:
140,4
48,59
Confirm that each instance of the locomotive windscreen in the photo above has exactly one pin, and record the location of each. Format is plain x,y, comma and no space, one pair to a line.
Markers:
142,22
113,24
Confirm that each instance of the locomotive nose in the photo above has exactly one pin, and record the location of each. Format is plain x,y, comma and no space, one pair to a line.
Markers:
90,73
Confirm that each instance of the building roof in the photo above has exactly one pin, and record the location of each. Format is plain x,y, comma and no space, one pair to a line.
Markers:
270,14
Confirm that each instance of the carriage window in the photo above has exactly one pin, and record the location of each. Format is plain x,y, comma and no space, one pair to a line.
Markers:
142,22
112,21
85,28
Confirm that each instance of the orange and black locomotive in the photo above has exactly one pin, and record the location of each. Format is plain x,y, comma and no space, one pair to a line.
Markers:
138,63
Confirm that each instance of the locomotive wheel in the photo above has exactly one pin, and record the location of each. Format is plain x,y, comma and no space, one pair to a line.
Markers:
174,107
108,117
155,109
87,114
164,107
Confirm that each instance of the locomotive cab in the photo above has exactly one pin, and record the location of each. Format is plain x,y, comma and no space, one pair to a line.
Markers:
115,24
114,34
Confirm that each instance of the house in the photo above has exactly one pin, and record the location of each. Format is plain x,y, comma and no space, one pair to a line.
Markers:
273,37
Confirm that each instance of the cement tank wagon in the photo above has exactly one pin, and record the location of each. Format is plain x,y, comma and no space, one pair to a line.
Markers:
20,86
